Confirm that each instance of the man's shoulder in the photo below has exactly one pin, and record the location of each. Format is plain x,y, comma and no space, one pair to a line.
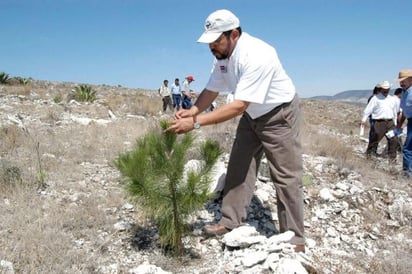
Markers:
255,50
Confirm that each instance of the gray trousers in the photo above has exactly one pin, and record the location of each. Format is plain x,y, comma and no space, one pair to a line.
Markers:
277,134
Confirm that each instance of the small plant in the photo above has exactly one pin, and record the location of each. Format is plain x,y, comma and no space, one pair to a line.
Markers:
24,81
307,180
155,176
9,174
84,93
58,98
4,78
41,175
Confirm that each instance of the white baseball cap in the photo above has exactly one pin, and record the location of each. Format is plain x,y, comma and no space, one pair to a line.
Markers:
217,23
384,85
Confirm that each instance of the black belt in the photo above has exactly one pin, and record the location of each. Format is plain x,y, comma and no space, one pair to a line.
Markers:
382,120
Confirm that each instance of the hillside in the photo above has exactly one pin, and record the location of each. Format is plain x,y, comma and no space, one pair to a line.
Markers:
64,208
359,97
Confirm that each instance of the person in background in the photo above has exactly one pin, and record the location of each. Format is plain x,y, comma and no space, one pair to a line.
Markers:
398,94
187,93
211,107
371,123
384,109
164,92
229,98
176,94
265,97
405,82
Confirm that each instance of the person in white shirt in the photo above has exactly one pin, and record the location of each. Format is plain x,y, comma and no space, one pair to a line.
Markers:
384,109
164,92
266,98
187,93
176,94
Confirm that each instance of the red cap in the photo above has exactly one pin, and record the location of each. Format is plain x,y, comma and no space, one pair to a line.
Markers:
190,78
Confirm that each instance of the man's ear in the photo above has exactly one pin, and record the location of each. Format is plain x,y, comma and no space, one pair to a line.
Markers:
234,34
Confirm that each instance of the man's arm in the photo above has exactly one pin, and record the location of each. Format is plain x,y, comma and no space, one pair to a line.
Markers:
223,113
401,119
184,119
368,110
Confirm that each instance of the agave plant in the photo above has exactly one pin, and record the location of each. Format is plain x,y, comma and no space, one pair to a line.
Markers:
24,81
84,93
4,78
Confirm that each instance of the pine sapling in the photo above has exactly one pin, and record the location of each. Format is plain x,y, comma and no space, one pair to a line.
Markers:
155,177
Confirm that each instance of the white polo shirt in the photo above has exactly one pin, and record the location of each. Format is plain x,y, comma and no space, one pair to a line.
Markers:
253,73
186,86
381,107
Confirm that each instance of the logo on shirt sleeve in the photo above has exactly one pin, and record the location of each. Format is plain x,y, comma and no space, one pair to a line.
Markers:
223,69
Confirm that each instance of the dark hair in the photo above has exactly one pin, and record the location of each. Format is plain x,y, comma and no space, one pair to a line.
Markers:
227,33
397,91
177,79
375,90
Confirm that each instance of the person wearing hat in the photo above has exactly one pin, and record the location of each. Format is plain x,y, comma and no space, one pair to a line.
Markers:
405,82
187,93
265,97
384,109
371,122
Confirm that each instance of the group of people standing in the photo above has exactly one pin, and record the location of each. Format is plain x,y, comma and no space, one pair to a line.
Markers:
386,114
177,96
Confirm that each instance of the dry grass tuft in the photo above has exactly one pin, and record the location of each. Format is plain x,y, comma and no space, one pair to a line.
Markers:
46,235
11,137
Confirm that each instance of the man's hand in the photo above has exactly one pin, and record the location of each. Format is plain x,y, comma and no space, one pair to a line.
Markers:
181,125
183,113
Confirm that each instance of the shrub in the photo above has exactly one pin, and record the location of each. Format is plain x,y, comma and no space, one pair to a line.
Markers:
4,78
307,180
23,81
154,172
84,93
9,173
58,98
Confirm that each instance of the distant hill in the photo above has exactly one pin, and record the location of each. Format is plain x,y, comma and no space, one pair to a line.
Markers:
358,97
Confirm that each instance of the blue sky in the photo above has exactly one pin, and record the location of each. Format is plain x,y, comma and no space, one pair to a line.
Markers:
326,46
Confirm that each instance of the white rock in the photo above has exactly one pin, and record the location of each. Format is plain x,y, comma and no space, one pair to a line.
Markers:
253,258
6,267
289,266
310,243
326,195
354,190
271,260
81,120
148,269
243,236
218,177
342,186
122,226
281,238
331,231
128,206
102,122
262,195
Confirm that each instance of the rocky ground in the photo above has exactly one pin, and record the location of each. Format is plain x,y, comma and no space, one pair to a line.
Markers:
64,209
